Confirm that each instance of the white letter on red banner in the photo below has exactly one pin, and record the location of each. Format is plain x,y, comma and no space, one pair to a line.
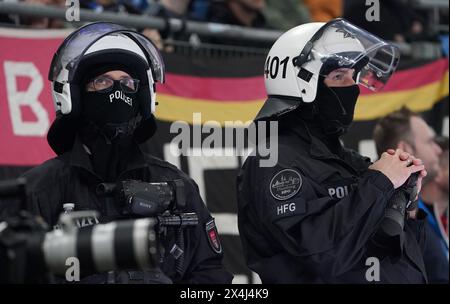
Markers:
17,99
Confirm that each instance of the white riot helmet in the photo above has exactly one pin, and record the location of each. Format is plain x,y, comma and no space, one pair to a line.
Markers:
98,44
304,53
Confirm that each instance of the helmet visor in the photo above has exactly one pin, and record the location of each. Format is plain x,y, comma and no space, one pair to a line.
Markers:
71,51
340,44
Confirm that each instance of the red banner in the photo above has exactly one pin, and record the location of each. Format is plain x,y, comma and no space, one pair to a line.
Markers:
26,106
26,109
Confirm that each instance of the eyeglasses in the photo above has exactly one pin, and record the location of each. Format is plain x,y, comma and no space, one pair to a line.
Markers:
105,84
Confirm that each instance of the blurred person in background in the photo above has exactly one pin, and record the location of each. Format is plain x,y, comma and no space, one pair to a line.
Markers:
116,6
399,22
403,129
199,9
167,9
435,203
283,15
34,22
9,19
324,10
437,192
246,13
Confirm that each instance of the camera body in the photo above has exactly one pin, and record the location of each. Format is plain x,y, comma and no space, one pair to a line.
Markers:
403,200
146,199
389,238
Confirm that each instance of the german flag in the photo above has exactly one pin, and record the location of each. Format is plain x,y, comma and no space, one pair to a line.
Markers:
232,89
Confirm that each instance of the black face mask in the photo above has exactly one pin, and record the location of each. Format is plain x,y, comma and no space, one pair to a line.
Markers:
336,107
109,120
113,107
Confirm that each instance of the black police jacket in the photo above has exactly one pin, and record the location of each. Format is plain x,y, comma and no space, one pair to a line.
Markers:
310,218
69,178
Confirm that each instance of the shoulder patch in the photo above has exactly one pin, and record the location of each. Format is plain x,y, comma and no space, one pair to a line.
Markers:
213,236
285,184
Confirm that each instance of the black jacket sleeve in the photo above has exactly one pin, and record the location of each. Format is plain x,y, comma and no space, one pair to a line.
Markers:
205,260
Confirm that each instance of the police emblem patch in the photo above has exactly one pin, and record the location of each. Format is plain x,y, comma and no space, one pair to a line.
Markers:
285,184
213,236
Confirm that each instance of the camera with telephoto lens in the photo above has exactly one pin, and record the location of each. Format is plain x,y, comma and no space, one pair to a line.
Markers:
30,253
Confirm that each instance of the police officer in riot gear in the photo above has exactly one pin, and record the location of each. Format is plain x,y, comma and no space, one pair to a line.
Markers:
312,217
103,83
